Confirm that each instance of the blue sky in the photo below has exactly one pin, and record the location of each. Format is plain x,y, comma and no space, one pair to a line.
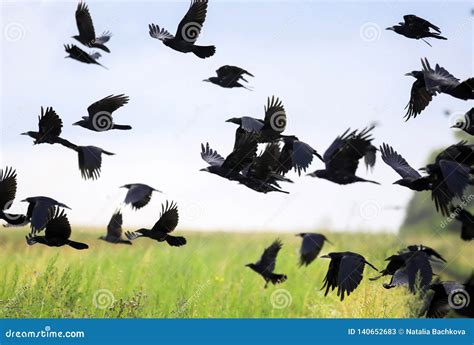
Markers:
318,57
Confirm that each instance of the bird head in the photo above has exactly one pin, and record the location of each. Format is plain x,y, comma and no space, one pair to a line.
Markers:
252,266
102,238
301,234
391,28
459,125
205,169
401,182
327,256
126,186
81,123
235,120
318,173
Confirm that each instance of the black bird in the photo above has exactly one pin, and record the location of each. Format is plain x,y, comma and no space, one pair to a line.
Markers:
78,54
268,129
296,154
429,82
342,157
49,129
163,227
114,230
8,188
138,194
39,211
230,77
266,265
467,123
57,233
427,250
187,33
86,30
411,269
467,222
90,160
311,247
417,28
344,272
100,114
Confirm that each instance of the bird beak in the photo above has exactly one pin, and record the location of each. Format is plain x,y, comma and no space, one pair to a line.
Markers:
329,242
76,123
204,169
206,80
24,133
409,74
390,28
24,200
325,257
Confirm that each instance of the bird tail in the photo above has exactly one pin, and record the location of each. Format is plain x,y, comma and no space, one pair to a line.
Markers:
438,36
122,127
175,241
370,181
204,51
277,278
78,245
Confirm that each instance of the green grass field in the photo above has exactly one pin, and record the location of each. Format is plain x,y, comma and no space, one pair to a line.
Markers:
206,278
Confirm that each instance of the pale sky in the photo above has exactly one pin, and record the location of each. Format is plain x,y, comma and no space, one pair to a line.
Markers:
331,63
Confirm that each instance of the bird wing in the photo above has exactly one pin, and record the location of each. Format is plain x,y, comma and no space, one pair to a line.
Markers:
160,34
245,150
90,161
49,123
470,117
275,115
302,156
104,38
233,71
310,247
114,228
58,225
467,228
210,156
419,99
268,258
439,79
84,22
40,213
250,124
107,105
7,187
190,26
393,159
439,305
455,175
411,19
350,274
418,270
266,163
168,219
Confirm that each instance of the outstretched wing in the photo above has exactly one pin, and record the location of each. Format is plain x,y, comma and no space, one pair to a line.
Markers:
418,270
411,19
7,187
310,248
107,105
104,38
350,274
393,159
245,149
84,23
168,219
160,34
268,259
90,161
190,26
419,99
49,123
210,156
275,115
114,228
439,79
231,71
58,225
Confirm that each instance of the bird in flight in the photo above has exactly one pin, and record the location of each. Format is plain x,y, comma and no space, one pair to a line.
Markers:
138,194
114,230
8,186
342,157
80,55
311,246
266,265
57,233
39,211
187,33
344,272
467,122
164,226
417,28
230,77
86,30
100,114
467,222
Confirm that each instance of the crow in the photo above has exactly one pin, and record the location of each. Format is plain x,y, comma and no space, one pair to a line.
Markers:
311,247
344,272
138,194
86,30
40,209
57,233
417,28
420,97
100,114
114,230
427,250
161,230
90,160
467,124
8,186
342,157
187,33
78,54
467,222
229,77
411,269
296,154
266,265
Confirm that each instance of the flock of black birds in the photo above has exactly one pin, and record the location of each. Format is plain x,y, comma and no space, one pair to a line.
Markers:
447,177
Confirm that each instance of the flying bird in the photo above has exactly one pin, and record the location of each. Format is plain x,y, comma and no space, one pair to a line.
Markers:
230,77
417,28
138,194
311,246
114,230
86,30
163,227
57,233
100,114
296,155
40,209
78,54
187,33
467,222
342,157
266,265
344,272
427,250
467,123
8,186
